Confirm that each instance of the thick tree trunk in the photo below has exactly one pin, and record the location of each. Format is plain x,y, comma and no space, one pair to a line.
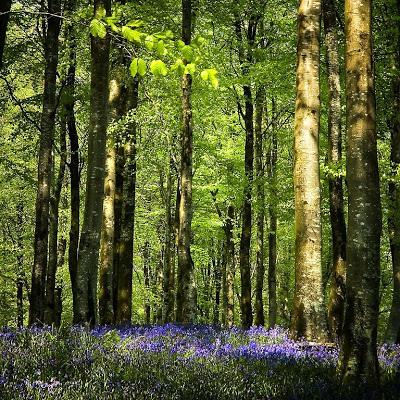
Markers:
86,309
338,224
5,7
273,158
185,296
358,357
126,236
392,334
260,204
49,313
47,127
245,239
308,316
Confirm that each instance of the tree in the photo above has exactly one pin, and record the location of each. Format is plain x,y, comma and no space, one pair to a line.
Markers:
86,279
338,224
392,334
47,128
5,7
185,295
358,355
308,315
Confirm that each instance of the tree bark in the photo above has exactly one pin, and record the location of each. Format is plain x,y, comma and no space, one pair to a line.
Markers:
245,274
217,279
358,355
185,296
20,266
86,310
392,334
55,197
125,245
47,127
260,204
273,159
146,273
69,105
308,316
5,7
338,224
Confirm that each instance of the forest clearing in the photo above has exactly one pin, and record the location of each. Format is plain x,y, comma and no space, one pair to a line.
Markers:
200,199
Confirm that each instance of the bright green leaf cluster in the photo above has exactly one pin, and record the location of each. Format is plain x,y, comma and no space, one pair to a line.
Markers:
210,75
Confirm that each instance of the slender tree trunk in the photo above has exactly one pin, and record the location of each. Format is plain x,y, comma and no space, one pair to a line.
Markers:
167,312
260,196
20,266
125,259
146,273
86,309
358,355
392,334
273,158
5,7
230,266
185,296
338,224
49,312
217,278
308,316
47,127
58,305
69,105
245,240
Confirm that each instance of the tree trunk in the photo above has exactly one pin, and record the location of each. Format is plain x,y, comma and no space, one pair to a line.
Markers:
338,224
230,266
260,196
5,7
392,334
217,278
146,273
125,245
47,127
86,309
273,158
185,296
245,240
69,105
358,356
49,312
20,266
167,312
308,316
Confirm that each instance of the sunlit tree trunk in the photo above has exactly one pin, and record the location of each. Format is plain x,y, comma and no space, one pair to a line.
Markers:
338,224
272,210
47,127
260,204
185,296
358,356
308,315
86,309
5,7
125,245
55,197
392,334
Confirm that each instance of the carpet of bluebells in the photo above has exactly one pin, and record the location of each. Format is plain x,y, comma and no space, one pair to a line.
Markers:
175,362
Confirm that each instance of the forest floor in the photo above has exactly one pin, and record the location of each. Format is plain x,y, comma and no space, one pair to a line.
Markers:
175,362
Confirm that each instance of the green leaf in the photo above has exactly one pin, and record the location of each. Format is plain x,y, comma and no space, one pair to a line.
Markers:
142,67
190,69
158,68
97,29
160,48
131,34
179,66
198,41
180,44
100,12
149,42
134,67
137,23
169,34
204,75
214,82
187,53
